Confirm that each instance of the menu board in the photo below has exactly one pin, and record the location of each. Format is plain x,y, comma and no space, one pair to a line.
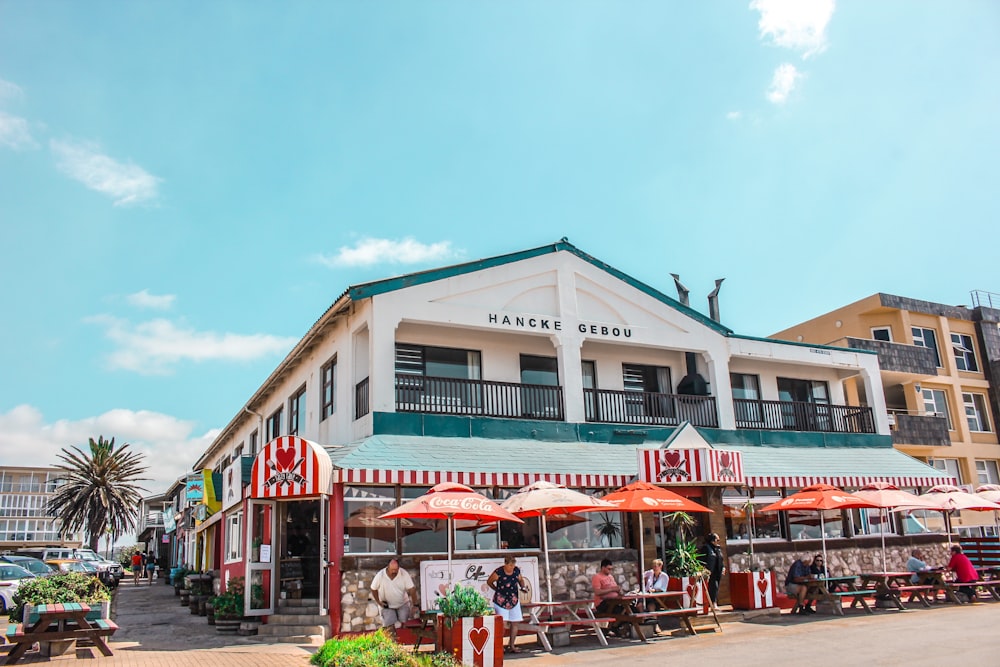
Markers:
436,579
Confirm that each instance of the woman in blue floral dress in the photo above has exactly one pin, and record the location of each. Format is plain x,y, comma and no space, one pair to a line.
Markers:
507,582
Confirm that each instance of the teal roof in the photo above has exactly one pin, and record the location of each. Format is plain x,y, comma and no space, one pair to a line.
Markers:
869,462
366,290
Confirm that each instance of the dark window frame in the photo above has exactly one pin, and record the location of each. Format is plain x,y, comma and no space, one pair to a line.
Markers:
297,411
328,389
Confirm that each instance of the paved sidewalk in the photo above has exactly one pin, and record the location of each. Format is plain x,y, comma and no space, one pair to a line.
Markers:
156,631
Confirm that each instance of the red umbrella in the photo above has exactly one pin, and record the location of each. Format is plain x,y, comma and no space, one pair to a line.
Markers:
646,497
819,497
451,501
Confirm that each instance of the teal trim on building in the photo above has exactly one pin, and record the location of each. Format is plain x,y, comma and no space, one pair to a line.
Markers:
371,289
451,426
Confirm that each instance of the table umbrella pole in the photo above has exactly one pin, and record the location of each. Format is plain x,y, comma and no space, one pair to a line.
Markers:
449,525
642,552
822,534
885,518
545,545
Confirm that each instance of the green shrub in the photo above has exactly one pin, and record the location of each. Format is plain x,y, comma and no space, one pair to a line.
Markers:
62,587
462,601
377,648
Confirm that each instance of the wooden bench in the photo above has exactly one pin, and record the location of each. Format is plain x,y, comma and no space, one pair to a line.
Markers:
421,628
636,619
56,622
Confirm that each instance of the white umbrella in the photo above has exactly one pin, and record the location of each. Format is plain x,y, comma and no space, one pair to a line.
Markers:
949,498
544,499
991,492
889,496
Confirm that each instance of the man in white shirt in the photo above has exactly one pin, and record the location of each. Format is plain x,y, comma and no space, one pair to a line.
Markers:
393,590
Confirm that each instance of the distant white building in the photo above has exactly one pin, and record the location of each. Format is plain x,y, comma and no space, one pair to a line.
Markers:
24,518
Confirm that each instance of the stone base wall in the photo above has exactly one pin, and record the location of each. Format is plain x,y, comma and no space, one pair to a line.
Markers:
850,560
571,574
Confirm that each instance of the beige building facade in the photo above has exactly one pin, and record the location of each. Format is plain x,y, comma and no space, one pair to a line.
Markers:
939,367
24,517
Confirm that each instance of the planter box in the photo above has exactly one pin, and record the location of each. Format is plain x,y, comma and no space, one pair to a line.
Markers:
753,590
695,594
474,641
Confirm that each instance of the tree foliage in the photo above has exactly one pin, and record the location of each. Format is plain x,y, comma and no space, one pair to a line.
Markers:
98,491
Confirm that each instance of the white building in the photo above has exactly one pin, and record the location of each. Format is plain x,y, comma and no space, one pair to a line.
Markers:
541,364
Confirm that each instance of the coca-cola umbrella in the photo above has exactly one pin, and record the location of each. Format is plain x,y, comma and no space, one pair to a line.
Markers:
888,496
819,498
645,497
451,501
544,499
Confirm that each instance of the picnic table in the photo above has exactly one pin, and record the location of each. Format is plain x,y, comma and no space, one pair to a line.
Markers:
569,614
634,610
939,580
892,585
56,622
835,589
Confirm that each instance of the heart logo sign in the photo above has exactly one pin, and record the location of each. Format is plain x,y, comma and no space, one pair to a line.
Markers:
672,461
763,584
284,466
478,637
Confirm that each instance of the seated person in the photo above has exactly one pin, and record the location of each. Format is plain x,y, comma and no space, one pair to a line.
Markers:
393,589
964,571
795,587
817,568
606,593
655,579
916,565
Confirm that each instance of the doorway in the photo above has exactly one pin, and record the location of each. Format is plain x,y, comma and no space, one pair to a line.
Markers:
300,549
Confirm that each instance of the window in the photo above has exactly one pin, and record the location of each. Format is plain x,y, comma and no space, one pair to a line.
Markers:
297,413
926,338
648,383
882,333
438,362
744,519
254,443
804,404
936,404
234,537
986,472
238,452
274,425
588,370
965,357
537,401
437,379
949,467
975,411
364,532
328,389
746,393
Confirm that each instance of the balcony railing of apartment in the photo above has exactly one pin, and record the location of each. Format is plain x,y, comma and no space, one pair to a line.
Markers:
919,428
635,407
803,416
361,401
154,519
481,398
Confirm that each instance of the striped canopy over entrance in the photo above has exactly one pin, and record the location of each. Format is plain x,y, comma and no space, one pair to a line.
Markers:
289,467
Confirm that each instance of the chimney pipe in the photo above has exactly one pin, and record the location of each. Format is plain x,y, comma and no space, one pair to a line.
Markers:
682,292
713,301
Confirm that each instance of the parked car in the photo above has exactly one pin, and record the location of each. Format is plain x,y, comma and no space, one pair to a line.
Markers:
77,565
35,566
10,578
112,571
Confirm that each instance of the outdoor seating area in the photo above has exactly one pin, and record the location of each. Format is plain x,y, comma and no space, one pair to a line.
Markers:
59,622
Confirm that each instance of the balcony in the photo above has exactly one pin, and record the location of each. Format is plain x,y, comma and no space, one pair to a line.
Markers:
478,398
908,429
633,407
802,416
898,357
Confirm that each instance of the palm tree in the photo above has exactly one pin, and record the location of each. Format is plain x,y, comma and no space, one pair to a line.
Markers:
98,492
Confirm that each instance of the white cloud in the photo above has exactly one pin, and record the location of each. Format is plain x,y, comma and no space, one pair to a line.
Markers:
368,251
783,83
144,299
734,115
167,442
14,132
156,346
795,24
10,91
125,183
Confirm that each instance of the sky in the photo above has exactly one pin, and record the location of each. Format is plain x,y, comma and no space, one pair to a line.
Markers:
186,186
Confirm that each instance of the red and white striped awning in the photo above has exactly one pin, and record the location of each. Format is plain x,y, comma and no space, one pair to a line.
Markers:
290,467
842,481
503,479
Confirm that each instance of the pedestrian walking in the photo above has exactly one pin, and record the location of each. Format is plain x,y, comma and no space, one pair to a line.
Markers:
150,566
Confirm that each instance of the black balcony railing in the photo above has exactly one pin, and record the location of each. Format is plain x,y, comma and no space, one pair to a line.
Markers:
802,416
635,407
361,400
482,398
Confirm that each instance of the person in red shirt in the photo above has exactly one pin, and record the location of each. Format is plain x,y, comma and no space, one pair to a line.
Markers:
136,567
964,571
606,591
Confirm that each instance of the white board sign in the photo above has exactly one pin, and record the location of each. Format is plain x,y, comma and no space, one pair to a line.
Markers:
435,580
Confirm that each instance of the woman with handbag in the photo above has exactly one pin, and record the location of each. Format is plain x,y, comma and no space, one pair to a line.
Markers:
506,582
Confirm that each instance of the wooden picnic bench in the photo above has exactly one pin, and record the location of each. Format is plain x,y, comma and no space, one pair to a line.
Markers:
669,604
937,581
892,585
542,617
836,589
56,622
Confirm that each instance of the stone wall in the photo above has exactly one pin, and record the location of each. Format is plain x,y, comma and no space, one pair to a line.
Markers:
844,560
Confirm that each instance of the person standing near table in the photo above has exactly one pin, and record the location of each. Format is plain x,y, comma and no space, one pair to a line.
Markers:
715,563
507,583
393,589
964,571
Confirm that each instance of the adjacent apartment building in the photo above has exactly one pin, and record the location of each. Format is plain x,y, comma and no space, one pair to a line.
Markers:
24,517
940,368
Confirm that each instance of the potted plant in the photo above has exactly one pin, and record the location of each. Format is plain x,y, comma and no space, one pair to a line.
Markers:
228,610
468,629
682,563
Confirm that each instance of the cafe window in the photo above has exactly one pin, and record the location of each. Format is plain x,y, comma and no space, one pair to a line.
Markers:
234,537
475,536
424,536
364,531
744,518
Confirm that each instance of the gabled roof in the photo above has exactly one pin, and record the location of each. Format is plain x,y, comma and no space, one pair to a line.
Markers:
366,290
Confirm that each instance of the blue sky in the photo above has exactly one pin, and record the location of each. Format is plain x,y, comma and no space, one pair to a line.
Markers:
186,186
